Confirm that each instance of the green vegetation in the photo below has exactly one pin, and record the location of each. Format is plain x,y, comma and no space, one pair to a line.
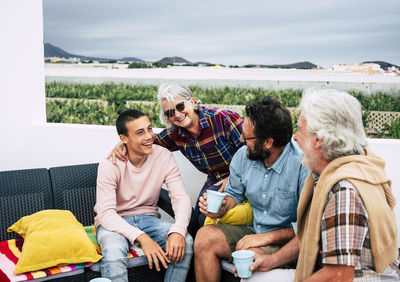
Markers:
378,102
107,91
161,65
117,96
136,65
122,92
78,112
94,113
390,130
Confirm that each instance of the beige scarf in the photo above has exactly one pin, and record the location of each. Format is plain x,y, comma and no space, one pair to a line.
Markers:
366,173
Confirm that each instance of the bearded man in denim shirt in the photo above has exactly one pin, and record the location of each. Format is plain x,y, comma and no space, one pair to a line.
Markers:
268,172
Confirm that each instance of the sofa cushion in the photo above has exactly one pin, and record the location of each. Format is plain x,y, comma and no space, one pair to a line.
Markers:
241,214
52,238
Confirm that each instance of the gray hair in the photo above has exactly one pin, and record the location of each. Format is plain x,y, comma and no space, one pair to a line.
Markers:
170,92
335,117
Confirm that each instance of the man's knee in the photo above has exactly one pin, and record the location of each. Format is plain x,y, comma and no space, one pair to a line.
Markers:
113,245
208,236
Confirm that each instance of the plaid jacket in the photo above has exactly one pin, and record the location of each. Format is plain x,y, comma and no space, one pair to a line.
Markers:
212,150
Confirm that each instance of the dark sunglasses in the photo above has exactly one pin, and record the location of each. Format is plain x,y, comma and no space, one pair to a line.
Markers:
179,107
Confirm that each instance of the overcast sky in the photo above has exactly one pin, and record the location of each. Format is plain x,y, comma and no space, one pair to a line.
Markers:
228,31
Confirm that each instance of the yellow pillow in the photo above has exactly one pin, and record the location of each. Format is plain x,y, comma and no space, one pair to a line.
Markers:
52,238
241,214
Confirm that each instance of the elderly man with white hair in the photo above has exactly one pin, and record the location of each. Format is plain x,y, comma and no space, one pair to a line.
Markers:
346,224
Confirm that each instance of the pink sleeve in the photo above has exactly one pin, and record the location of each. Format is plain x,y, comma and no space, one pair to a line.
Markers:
181,203
108,178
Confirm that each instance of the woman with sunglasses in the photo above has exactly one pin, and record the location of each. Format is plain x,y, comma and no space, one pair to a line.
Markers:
207,137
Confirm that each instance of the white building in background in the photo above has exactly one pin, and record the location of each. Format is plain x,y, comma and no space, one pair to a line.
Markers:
367,67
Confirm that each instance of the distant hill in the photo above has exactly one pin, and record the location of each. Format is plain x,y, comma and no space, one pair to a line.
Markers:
202,63
384,65
173,60
132,59
54,51
300,65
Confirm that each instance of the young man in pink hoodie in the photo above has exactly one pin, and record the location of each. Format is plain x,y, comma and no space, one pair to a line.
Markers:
126,205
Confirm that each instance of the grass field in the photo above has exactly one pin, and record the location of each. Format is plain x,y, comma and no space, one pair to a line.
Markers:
102,103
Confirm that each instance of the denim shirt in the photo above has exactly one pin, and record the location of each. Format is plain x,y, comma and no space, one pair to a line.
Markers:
273,192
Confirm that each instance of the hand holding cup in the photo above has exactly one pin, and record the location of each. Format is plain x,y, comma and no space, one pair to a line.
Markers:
214,200
242,260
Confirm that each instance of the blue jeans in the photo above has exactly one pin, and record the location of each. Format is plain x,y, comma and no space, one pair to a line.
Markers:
115,247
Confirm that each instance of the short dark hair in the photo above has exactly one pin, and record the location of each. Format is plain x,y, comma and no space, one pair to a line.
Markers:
271,120
125,117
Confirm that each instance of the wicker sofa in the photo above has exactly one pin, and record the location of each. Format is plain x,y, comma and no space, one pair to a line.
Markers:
24,192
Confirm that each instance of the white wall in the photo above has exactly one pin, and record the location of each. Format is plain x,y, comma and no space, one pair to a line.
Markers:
389,150
21,77
27,141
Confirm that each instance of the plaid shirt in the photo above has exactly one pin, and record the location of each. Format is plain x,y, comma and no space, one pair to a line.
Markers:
345,235
212,150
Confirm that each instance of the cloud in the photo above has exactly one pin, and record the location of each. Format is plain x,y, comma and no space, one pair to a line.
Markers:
229,32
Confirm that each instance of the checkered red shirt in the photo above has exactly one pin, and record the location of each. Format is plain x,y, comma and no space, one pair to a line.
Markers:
212,150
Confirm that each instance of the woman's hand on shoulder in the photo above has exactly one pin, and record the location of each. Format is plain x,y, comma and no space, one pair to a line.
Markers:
120,152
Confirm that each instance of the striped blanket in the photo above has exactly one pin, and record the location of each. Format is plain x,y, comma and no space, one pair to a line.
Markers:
134,251
10,251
